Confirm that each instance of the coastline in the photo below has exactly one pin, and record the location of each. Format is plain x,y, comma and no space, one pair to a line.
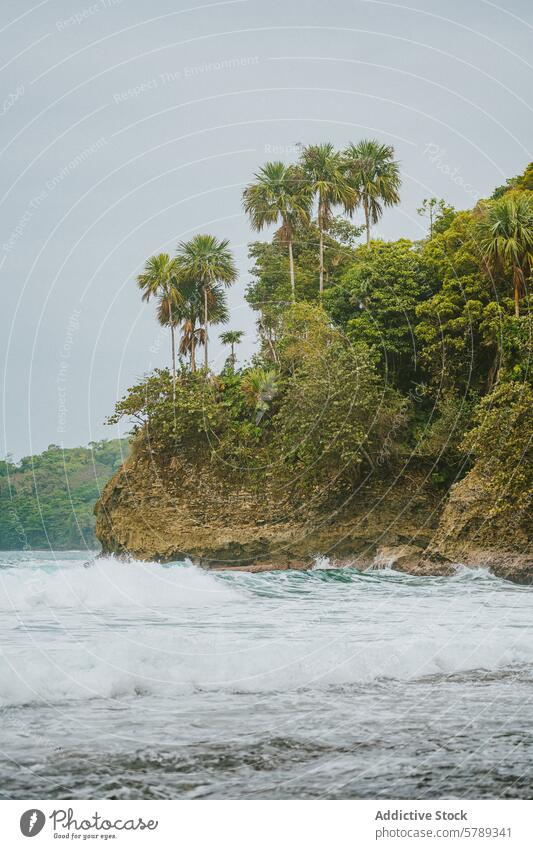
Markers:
147,514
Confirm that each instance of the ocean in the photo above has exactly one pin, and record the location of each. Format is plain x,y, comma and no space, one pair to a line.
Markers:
142,681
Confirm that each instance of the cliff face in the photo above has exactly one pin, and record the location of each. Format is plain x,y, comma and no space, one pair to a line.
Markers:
472,532
189,512
168,514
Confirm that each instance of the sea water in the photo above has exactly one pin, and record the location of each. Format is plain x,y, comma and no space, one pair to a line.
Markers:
136,680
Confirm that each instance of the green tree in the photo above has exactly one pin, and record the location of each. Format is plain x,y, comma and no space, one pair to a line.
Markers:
190,315
433,208
458,328
47,500
374,176
260,385
279,194
160,278
268,293
232,338
375,302
505,231
502,445
522,181
206,261
323,171
334,414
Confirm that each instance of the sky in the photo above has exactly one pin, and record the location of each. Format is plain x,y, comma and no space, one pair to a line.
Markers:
126,127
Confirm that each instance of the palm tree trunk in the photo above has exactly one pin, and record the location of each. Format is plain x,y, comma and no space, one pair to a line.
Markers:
367,222
193,352
206,359
233,354
516,277
173,337
267,336
291,265
321,255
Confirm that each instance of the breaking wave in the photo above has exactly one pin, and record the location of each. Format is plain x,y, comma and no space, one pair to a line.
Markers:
117,629
108,583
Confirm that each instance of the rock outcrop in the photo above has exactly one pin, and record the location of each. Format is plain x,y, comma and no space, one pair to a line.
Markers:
155,514
183,511
472,531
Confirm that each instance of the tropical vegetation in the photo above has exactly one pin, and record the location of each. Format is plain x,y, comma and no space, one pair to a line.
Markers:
47,500
374,356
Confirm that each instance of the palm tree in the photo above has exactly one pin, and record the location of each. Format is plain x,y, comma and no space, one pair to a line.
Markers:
206,261
231,337
506,238
161,279
192,337
322,167
190,314
279,193
374,175
260,386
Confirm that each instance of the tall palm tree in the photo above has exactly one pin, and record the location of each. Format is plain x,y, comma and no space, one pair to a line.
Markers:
190,315
161,279
232,338
505,232
279,193
374,175
322,166
206,261
192,337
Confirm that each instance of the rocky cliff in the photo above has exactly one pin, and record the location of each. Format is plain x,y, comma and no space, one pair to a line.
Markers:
168,514
473,531
165,514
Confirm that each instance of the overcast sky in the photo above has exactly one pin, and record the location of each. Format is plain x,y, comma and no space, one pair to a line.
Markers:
126,126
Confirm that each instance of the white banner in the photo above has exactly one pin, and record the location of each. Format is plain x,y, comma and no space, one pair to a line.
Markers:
268,824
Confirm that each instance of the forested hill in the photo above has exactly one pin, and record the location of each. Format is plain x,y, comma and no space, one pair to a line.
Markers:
47,500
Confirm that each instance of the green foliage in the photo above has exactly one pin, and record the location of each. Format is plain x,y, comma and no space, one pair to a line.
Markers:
269,292
260,385
439,214
325,175
522,181
193,418
369,353
206,264
438,437
501,442
315,422
455,327
335,413
279,195
376,301
374,176
505,234
47,500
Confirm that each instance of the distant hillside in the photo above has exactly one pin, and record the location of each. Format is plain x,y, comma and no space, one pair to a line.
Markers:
47,500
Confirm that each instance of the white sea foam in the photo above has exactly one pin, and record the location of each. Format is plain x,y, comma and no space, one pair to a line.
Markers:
109,583
131,629
118,667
